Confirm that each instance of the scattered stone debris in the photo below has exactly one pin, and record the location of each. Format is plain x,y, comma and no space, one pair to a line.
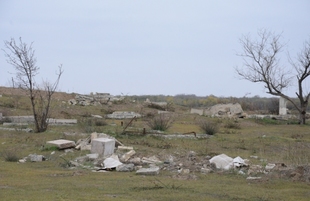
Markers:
94,99
107,154
32,158
157,105
222,110
125,167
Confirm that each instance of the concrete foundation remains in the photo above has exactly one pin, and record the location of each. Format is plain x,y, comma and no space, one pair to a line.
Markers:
103,146
62,144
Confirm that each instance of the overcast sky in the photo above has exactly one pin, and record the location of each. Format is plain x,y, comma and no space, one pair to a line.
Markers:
148,47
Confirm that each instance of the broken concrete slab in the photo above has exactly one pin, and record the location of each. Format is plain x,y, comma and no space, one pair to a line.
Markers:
123,115
62,144
151,160
148,171
14,124
96,116
253,178
125,157
103,146
124,148
111,163
270,166
86,147
61,121
135,160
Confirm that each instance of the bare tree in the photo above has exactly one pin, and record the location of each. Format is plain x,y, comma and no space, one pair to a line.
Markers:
21,57
261,64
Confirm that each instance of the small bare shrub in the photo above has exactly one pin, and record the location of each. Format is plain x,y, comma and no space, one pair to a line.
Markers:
87,125
160,122
100,122
232,125
5,120
10,155
209,127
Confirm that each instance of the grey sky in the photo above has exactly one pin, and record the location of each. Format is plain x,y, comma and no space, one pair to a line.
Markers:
148,47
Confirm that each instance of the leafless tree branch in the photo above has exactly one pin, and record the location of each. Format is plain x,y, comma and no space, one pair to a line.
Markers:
261,64
22,58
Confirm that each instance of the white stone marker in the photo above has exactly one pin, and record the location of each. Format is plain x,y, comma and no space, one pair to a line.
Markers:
103,146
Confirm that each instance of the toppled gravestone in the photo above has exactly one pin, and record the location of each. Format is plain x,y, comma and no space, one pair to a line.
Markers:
103,146
62,144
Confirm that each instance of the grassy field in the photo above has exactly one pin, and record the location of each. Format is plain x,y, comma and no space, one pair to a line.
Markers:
271,141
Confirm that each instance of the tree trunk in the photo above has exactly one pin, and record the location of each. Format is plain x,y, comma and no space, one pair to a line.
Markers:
302,118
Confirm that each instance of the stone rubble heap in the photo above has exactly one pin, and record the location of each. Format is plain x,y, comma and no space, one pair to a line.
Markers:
94,99
108,154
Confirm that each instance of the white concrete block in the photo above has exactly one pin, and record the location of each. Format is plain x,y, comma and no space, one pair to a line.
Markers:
103,146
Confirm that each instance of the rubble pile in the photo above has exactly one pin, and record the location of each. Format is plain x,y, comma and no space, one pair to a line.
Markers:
109,154
94,99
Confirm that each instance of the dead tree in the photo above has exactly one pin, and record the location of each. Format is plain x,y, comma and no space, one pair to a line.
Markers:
261,65
21,57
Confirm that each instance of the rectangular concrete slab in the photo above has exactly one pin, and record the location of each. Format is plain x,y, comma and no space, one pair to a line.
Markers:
148,171
103,146
62,144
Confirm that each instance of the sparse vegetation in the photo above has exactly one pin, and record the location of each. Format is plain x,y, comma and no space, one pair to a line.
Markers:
209,127
10,155
232,124
160,122
270,141
21,57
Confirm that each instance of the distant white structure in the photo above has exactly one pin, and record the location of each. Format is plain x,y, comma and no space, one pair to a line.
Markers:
282,106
